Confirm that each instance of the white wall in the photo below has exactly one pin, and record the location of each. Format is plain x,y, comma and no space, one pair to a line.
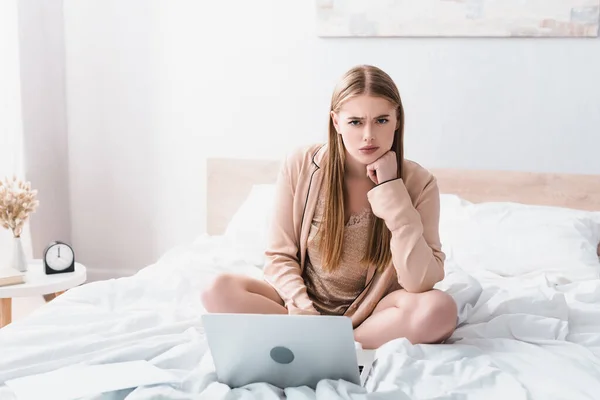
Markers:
11,127
114,113
42,72
155,87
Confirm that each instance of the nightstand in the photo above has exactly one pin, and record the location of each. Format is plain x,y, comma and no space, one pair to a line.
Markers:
37,283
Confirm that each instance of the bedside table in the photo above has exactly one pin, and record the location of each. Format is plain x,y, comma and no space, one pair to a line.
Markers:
37,283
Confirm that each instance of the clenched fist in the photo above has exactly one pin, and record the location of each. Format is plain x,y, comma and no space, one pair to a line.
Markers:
384,169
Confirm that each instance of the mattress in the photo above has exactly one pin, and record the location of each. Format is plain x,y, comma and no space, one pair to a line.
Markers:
517,338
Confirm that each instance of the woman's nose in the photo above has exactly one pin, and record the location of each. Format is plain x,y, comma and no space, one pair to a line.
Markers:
368,133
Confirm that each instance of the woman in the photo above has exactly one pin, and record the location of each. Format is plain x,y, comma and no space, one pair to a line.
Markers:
355,229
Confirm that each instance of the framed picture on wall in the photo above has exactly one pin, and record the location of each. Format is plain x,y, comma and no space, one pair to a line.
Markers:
457,18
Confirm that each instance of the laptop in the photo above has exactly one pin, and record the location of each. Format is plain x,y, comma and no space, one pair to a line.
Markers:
283,350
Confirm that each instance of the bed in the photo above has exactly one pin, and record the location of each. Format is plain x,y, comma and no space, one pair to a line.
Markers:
523,266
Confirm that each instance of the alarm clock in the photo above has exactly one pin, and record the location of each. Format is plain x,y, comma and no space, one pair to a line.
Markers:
59,258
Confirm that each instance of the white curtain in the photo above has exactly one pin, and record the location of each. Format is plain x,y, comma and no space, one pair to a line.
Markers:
11,127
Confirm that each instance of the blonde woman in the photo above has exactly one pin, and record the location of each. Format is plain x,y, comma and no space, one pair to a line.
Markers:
355,229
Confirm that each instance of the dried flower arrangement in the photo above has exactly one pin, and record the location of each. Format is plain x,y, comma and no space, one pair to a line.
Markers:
17,202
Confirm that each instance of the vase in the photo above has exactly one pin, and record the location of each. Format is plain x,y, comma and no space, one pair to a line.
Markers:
19,261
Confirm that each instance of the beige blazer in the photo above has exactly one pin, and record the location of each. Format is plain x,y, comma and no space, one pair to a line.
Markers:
409,206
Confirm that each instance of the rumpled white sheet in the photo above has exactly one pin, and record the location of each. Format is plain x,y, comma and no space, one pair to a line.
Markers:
518,339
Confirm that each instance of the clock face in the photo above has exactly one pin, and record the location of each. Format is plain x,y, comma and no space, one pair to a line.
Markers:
59,257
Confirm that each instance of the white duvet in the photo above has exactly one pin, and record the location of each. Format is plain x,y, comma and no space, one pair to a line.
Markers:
518,338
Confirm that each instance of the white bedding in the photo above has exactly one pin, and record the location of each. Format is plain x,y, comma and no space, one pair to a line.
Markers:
519,338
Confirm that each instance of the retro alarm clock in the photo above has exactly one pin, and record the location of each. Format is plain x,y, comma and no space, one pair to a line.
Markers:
59,258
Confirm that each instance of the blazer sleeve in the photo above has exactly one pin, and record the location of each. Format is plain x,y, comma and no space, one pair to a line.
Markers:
282,269
415,245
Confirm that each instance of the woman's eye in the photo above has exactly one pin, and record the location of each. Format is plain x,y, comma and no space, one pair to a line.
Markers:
382,121
354,122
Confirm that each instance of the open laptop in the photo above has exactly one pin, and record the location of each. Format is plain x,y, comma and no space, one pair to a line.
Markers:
283,350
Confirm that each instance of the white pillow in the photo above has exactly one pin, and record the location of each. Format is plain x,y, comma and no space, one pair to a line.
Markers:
248,229
509,239
512,239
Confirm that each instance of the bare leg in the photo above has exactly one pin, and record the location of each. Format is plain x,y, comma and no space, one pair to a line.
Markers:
428,317
231,293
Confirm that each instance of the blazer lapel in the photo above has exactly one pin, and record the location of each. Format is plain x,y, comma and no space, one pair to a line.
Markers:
312,196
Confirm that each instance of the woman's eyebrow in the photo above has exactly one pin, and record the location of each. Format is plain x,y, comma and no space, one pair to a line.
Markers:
380,116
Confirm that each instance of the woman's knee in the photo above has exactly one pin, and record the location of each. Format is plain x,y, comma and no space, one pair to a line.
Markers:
437,315
222,288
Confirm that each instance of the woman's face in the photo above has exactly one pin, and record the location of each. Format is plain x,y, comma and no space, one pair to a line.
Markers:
367,126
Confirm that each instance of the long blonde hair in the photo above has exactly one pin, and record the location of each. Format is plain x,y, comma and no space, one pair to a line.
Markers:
360,80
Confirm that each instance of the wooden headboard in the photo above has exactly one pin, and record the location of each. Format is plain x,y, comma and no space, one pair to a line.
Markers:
229,181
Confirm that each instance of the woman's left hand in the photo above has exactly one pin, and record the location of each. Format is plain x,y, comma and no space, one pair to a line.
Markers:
384,169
